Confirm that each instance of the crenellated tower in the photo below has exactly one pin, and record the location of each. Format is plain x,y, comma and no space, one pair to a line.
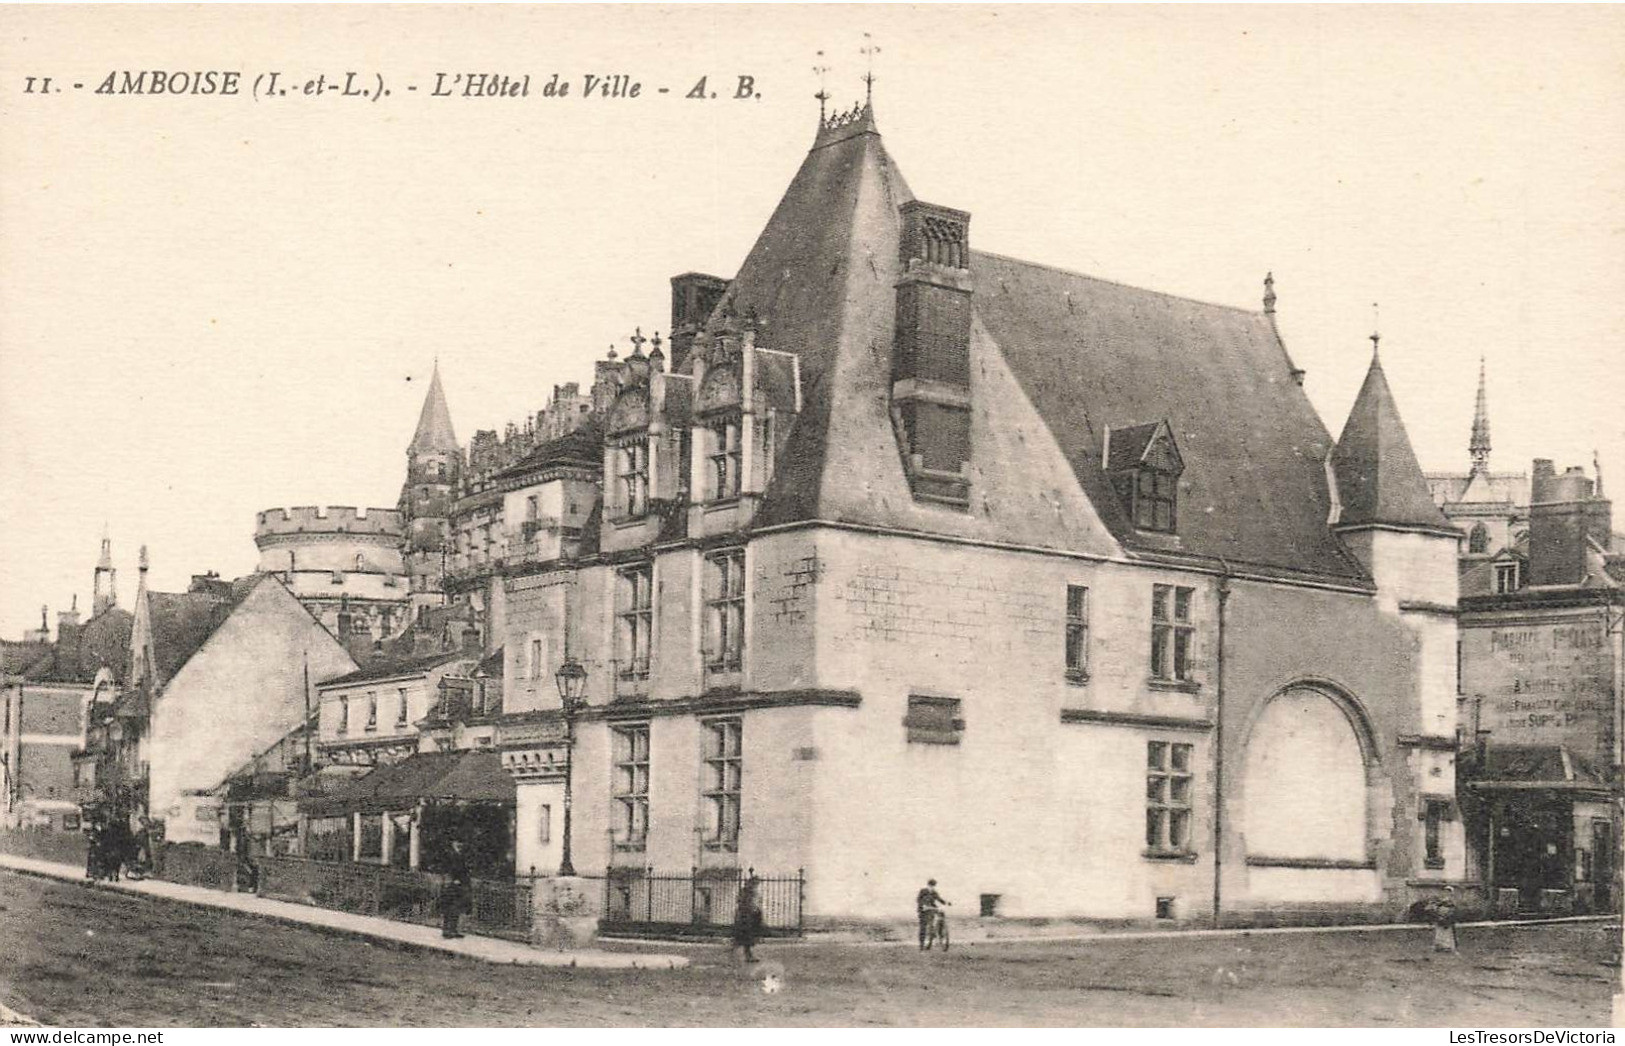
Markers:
433,463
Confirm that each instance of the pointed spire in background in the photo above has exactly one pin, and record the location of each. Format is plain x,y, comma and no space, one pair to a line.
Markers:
1479,446
1596,468
143,647
823,89
869,50
434,432
104,586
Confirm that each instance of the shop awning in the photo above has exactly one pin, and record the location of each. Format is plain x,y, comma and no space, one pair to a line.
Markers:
1535,767
467,777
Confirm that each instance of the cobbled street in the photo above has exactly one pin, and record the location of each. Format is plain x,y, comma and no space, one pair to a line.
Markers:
75,956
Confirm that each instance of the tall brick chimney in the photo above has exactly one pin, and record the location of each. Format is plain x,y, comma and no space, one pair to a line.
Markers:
1565,516
931,352
693,296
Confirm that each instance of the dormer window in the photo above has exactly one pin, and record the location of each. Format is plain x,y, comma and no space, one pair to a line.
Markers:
725,458
1145,466
1155,500
1506,577
632,477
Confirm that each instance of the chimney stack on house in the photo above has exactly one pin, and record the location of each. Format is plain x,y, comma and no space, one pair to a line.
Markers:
694,295
1566,519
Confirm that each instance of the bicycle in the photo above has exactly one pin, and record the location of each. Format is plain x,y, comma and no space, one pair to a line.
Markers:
936,929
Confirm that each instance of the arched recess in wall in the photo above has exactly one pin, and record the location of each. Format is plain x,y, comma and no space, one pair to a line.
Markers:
1304,783
1479,539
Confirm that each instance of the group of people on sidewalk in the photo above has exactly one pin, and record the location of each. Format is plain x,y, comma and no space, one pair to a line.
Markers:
112,849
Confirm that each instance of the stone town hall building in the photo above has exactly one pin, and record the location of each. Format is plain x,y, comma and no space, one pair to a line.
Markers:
904,559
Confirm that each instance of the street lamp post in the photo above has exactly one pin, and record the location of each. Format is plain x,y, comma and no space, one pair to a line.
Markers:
572,680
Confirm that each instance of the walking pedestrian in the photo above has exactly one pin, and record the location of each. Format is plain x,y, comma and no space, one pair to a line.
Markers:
748,917
455,895
1444,922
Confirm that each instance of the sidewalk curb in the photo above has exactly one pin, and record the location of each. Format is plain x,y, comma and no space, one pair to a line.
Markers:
1239,931
649,962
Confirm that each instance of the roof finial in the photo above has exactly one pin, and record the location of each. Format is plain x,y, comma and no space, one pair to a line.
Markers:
1596,466
1479,446
637,341
823,92
869,50
1269,293
611,350
1376,336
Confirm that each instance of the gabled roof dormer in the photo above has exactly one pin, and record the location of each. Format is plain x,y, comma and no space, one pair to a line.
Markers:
1144,464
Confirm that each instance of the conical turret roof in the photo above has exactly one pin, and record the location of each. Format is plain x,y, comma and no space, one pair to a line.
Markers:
1378,478
434,424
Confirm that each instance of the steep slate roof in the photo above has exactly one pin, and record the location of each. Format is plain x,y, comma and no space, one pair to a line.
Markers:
1378,479
103,641
15,657
434,432
465,776
583,448
1055,358
388,668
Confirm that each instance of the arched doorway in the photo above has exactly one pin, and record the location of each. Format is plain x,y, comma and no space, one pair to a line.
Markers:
1304,780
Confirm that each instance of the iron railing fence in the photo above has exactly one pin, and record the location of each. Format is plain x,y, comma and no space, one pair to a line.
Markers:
703,901
497,908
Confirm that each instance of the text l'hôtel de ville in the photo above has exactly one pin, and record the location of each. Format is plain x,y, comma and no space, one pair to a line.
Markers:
369,85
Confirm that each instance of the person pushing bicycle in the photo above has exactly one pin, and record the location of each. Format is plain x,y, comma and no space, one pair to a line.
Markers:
926,906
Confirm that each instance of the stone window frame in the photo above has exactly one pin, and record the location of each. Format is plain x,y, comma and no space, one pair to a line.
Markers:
401,711
634,621
1077,633
344,716
1506,577
372,711
631,459
1169,798
1435,811
722,776
629,785
1173,633
934,720
723,589
724,456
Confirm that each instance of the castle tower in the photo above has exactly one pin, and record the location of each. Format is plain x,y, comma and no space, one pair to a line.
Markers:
1479,445
1387,518
105,591
433,463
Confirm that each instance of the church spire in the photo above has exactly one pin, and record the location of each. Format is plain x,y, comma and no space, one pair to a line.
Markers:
434,432
105,587
1479,445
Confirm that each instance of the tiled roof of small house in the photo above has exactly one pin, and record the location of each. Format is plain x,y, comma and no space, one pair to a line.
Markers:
1056,357
389,668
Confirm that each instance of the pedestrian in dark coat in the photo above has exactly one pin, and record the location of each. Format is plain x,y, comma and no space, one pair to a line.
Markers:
1444,922
748,917
456,895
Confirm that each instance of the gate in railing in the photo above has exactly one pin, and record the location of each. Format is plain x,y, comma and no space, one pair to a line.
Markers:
700,903
497,908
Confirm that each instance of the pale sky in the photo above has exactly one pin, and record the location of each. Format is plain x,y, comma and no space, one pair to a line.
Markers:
210,306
